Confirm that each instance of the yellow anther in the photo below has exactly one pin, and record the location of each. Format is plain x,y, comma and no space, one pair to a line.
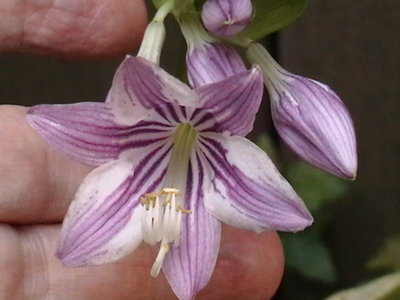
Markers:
153,195
149,199
183,210
169,190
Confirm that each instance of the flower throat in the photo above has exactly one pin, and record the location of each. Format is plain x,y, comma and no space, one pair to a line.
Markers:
163,210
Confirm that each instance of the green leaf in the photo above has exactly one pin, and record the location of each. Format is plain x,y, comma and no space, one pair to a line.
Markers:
273,15
265,142
315,187
388,257
383,288
307,254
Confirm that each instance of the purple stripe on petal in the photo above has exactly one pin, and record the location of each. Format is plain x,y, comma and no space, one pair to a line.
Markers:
87,133
249,192
212,62
140,86
188,267
105,208
233,102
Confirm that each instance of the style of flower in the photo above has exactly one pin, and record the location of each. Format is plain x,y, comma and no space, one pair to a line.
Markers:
172,163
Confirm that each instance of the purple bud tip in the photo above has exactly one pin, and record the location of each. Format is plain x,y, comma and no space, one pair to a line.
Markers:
315,123
226,17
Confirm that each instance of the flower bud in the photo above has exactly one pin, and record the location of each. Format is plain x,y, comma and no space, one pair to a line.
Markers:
154,36
309,117
226,17
208,60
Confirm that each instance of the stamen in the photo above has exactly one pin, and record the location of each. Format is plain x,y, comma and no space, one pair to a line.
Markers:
162,219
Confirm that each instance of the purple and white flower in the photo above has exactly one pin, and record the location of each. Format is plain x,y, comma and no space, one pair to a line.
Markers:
172,163
309,117
226,17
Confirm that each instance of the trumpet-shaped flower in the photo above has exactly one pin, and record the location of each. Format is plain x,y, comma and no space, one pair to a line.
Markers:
309,117
172,163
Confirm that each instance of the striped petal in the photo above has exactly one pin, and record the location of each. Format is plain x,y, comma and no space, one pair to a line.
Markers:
87,133
248,191
188,267
140,86
103,223
233,102
212,62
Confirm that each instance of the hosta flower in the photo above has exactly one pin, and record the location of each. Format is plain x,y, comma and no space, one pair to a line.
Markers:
171,165
226,17
309,117
208,60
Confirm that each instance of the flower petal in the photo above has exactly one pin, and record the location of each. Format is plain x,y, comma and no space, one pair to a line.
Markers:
87,133
233,102
103,222
139,86
248,191
188,267
212,62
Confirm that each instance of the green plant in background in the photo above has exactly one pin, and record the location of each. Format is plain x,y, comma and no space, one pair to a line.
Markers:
386,287
307,254
310,268
387,258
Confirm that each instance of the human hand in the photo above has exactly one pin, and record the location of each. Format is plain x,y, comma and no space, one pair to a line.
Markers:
38,184
67,28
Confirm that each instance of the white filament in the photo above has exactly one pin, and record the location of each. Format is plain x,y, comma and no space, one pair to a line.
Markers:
161,222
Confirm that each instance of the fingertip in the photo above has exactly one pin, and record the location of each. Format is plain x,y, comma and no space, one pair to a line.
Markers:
72,29
38,183
250,266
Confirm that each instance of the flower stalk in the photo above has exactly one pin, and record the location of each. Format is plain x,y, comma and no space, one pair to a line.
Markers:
154,36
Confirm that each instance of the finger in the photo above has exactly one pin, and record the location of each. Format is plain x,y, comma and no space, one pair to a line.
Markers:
92,28
38,183
250,266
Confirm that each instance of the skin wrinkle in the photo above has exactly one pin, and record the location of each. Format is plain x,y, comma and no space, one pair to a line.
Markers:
76,29
36,267
10,251
95,18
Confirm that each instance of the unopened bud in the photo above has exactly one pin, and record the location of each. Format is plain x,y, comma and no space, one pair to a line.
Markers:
226,17
309,117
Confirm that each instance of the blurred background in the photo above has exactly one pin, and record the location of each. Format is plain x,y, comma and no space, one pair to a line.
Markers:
353,46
